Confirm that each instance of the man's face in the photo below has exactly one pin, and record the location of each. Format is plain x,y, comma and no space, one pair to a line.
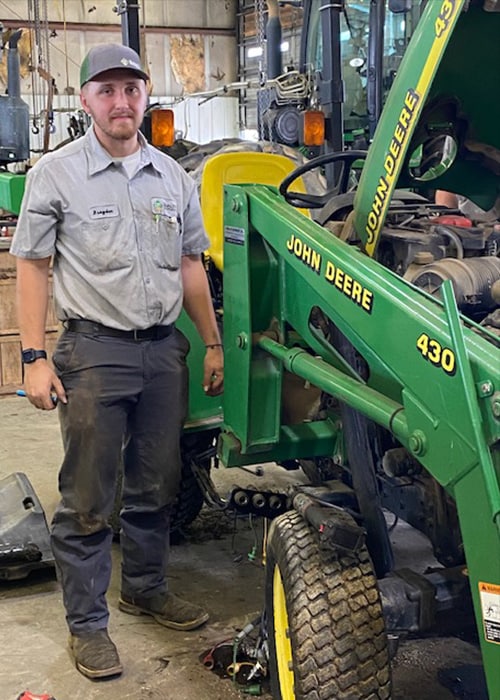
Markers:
116,101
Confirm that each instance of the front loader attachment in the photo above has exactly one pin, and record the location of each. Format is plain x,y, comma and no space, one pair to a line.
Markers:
431,377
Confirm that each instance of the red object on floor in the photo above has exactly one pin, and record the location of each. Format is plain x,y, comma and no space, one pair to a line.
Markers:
27,695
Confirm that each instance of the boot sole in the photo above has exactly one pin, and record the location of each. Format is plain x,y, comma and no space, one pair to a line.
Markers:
93,673
131,609
103,673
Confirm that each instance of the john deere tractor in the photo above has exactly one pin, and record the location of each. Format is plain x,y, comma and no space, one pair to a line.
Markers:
361,335
363,347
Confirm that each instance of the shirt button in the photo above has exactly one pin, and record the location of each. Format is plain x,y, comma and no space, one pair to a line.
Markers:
105,227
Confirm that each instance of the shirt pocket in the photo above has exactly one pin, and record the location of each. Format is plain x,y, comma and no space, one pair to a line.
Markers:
167,242
106,244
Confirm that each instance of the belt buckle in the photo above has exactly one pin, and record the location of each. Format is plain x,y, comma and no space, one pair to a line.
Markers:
136,334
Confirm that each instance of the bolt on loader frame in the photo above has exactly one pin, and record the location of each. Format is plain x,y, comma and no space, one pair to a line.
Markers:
399,367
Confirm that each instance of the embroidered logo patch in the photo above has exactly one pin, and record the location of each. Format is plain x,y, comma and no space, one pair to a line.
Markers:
104,211
163,207
127,62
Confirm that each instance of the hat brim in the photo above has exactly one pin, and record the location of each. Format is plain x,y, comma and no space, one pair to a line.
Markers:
119,66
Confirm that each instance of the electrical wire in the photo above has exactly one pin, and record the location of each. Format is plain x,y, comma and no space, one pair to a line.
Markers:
264,540
253,552
29,22
66,61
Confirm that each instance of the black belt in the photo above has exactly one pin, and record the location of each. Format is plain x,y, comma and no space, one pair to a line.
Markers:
78,325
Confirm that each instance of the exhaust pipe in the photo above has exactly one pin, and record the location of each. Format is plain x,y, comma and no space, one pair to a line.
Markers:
14,66
273,33
14,112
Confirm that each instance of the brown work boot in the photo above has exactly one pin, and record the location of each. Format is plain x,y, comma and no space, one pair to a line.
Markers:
168,610
95,654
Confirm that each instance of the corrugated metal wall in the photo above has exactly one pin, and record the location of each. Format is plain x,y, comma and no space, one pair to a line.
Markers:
187,45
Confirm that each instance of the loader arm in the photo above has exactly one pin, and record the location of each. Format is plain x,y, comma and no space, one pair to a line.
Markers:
433,377
436,94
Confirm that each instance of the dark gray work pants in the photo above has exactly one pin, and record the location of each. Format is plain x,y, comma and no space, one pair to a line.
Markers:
126,404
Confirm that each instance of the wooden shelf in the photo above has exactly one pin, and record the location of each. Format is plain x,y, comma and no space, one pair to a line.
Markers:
10,344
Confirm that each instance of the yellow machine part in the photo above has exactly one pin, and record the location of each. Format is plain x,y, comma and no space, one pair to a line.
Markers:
237,168
283,643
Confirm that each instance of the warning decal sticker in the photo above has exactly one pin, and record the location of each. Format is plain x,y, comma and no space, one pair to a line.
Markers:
489,594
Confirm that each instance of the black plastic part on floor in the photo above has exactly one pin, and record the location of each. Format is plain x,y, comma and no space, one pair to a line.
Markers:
465,682
24,535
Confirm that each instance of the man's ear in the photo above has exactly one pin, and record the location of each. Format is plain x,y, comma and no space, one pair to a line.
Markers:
83,100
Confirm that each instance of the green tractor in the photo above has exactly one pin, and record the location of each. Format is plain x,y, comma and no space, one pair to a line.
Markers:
361,333
383,312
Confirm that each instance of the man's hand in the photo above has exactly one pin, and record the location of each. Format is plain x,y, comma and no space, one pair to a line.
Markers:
213,371
41,383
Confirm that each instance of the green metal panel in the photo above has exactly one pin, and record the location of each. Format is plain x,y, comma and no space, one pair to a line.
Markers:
204,411
252,407
301,441
482,552
11,191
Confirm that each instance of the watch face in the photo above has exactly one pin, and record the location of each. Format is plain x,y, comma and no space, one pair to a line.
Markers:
30,355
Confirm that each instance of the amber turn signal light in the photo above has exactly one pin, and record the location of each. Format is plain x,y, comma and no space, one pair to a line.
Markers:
314,128
162,127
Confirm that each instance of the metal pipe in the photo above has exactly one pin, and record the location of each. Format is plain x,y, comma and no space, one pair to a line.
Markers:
361,397
273,35
331,87
463,366
375,63
115,28
13,66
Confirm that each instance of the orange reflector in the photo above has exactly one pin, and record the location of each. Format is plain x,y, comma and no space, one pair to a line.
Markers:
162,127
314,128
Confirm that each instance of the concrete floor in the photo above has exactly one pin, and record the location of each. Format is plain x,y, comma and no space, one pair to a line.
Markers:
160,664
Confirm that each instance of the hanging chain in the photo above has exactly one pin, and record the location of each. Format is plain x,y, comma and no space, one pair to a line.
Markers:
66,56
41,75
35,78
259,24
260,38
49,109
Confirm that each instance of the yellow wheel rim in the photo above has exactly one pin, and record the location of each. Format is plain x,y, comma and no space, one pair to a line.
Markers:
282,639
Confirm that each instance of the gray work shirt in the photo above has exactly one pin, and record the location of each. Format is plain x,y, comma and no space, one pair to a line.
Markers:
117,242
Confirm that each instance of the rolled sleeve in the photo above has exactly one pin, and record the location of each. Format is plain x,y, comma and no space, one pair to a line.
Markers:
195,240
36,229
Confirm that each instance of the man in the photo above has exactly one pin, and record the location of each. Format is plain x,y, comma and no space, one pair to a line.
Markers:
465,206
122,224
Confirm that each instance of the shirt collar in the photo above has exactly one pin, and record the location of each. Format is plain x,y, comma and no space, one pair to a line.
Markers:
99,159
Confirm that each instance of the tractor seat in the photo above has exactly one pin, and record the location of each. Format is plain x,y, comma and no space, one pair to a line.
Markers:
232,169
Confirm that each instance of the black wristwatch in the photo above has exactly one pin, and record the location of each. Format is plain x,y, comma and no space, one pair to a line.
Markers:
31,355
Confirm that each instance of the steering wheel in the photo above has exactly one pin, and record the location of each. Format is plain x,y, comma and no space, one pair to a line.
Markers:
315,201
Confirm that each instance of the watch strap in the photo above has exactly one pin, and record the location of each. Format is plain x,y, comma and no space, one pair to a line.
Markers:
31,355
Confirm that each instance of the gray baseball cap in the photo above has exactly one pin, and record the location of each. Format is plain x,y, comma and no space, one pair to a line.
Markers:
108,57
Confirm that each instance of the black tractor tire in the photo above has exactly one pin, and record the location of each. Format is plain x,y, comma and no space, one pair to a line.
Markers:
326,628
190,497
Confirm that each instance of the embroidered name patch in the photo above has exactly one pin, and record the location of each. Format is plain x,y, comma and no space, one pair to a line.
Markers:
105,211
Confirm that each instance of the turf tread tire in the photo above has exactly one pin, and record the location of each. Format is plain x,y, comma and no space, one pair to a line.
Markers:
336,625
